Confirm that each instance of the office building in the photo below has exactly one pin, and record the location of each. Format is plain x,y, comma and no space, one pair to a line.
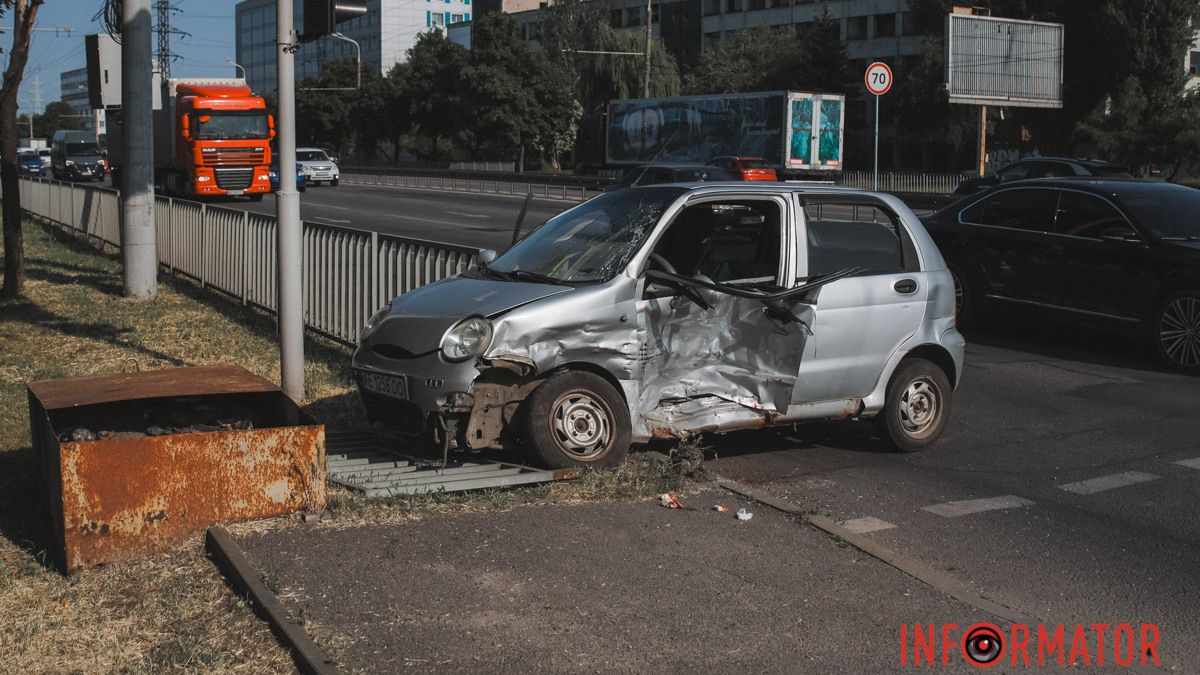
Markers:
74,87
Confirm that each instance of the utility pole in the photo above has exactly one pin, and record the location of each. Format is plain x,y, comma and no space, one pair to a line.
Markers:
137,204
646,78
287,210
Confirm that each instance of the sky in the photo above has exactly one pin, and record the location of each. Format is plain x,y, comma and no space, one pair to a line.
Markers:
203,52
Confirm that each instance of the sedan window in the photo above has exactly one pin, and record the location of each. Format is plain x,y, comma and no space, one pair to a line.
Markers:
1081,215
1014,171
1022,209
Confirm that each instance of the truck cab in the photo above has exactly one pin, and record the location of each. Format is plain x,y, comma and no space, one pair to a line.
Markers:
219,140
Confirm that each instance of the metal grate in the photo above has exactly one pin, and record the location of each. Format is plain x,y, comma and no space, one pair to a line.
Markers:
235,178
255,157
362,461
403,417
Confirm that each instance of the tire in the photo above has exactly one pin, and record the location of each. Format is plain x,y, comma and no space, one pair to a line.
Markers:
1176,332
964,304
334,182
599,433
918,404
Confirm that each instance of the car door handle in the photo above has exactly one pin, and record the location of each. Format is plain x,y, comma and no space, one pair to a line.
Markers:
905,286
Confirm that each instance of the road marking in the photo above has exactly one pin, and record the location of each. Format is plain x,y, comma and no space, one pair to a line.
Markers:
1094,485
467,215
865,525
1189,463
969,506
331,221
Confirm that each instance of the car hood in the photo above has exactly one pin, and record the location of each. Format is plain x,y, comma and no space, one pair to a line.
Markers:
419,318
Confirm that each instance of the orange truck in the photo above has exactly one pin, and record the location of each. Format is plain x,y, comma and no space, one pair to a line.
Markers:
212,138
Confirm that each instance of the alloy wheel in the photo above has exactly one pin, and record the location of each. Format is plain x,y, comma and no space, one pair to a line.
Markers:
1179,331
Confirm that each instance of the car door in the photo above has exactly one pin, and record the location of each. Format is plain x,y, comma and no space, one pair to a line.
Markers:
859,321
1005,237
734,349
1102,259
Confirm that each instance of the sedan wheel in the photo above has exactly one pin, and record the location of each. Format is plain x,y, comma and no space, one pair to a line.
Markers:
1177,332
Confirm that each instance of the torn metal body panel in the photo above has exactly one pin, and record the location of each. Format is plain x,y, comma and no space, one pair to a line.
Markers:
708,308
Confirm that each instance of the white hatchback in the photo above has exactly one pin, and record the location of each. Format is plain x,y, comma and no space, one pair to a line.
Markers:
317,166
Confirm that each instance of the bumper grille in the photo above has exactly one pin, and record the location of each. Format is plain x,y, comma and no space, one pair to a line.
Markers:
235,179
234,157
402,416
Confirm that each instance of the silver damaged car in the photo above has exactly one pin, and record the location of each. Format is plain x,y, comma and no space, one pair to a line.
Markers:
672,311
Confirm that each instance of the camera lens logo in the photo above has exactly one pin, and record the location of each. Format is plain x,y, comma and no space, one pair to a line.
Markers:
982,645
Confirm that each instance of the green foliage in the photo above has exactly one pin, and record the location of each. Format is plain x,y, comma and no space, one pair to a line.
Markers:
58,115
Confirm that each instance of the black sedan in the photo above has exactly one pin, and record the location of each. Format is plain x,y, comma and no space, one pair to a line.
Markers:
1043,167
1118,254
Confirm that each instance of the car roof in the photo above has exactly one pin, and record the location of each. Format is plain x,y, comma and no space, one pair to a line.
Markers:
756,186
1106,185
309,150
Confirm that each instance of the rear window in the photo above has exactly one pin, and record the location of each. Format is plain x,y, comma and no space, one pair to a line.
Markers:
1117,171
755,164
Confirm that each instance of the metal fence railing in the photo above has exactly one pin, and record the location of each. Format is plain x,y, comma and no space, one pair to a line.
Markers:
904,181
500,186
348,274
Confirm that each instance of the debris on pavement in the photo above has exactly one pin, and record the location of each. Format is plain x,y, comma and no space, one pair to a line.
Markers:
670,501
720,508
744,515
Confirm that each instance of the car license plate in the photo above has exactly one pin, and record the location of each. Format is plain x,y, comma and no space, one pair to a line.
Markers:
388,385
235,193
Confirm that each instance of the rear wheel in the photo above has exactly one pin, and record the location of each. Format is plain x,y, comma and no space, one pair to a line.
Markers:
575,420
1177,332
917,406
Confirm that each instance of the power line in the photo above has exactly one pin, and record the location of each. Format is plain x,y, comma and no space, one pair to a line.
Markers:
163,10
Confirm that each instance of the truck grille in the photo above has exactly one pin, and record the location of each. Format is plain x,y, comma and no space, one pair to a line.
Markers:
241,156
234,178
401,416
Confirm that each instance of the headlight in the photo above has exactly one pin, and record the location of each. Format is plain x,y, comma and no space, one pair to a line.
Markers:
376,319
467,338
70,163
203,179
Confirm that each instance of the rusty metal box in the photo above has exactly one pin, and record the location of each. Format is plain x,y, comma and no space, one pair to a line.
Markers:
137,462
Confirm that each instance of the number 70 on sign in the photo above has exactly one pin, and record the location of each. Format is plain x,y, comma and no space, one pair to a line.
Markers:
878,78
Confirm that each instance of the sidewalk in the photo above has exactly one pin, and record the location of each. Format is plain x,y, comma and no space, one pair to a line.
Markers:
608,587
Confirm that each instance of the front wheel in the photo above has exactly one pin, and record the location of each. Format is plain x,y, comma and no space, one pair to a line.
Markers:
1177,332
575,420
333,183
917,406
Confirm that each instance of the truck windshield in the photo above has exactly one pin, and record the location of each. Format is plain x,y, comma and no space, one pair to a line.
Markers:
82,149
215,125
591,242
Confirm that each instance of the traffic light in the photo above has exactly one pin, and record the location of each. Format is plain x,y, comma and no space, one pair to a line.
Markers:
321,17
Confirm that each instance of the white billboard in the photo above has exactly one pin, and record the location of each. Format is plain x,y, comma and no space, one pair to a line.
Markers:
1010,62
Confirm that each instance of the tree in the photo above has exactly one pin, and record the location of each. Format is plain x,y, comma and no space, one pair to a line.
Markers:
381,112
24,14
324,117
501,104
58,115
436,85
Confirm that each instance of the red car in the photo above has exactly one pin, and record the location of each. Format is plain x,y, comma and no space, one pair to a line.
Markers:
746,168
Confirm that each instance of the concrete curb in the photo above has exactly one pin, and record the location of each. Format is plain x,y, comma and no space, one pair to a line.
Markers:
243,578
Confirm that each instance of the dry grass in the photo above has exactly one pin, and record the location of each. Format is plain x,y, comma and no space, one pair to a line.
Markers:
173,612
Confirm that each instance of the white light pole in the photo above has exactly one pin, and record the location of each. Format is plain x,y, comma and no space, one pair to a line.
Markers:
287,211
237,65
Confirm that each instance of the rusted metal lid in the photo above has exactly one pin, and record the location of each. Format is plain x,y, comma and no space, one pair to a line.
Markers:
197,381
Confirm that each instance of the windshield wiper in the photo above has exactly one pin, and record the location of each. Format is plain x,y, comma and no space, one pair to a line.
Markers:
1186,237
526,275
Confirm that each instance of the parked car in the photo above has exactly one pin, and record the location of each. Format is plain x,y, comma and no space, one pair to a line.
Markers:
30,164
1118,254
44,153
745,168
657,174
670,311
318,167
301,179
1043,167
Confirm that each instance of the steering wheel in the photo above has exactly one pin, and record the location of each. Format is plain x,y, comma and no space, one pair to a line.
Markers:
663,263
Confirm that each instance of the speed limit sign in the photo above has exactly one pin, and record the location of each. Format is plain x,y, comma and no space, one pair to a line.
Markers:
879,78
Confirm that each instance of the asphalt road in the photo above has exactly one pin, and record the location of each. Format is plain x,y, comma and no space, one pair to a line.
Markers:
454,217
1065,490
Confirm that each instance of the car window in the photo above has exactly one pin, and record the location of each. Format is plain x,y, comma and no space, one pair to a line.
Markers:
1083,215
1014,171
755,164
312,156
735,241
654,176
842,235
1050,170
1022,209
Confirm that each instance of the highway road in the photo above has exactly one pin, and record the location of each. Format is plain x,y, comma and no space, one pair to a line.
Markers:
454,217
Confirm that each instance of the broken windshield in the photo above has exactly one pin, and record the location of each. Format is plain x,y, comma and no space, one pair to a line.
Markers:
591,242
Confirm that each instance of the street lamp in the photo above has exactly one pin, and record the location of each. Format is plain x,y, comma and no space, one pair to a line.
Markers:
237,65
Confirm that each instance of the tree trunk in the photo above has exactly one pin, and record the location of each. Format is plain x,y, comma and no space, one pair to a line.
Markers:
24,13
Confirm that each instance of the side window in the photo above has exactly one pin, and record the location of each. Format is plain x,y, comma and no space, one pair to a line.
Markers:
853,235
659,176
727,241
1014,171
1081,215
1050,170
1027,209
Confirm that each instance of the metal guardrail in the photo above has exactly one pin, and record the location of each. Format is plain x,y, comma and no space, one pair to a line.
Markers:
501,184
348,274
